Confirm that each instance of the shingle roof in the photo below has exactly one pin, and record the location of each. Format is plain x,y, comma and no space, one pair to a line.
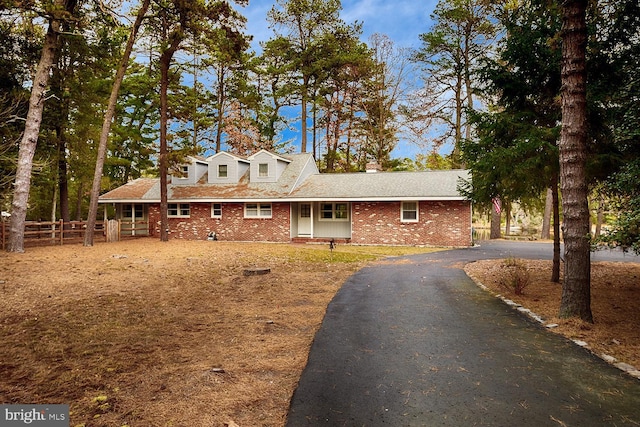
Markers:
137,189
430,185
148,189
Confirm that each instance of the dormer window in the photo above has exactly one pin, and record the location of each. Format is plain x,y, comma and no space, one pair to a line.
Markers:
223,171
263,170
184,171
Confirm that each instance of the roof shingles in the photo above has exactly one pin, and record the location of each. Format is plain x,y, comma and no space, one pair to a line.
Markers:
430,185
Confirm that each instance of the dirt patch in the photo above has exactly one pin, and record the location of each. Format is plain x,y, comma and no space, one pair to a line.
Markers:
615,296
144,333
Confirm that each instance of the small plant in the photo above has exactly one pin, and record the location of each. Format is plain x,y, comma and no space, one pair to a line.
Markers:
512,262
516,276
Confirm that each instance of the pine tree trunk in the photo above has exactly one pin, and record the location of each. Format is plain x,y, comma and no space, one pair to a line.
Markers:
315,122
507,219
546,219
303,127
455,155
220,103
555,270
63,182
600,215
106,126
29,140
165,61
576,288
495,224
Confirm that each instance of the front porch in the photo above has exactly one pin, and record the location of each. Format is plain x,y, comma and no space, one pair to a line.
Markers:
320,240
320,222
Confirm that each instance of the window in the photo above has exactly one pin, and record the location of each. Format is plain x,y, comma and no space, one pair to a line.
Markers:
222,171
132,212
409,212
216,210
334,211
257,210
263,169
305,210
179,210
184,171
341,211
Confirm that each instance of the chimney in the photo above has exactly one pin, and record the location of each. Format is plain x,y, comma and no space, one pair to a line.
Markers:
373,167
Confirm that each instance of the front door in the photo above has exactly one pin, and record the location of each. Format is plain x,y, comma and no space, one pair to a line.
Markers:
305,226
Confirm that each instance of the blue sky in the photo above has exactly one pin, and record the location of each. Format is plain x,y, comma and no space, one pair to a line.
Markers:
401,20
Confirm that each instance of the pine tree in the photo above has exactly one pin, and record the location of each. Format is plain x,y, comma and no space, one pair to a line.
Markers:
576,287
60,11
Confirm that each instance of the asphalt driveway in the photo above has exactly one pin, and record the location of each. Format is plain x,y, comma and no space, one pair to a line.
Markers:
414,342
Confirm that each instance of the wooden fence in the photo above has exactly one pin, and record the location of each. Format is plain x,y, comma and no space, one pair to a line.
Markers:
60,232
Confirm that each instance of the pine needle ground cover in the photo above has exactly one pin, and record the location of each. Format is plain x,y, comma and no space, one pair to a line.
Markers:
145,333
615,302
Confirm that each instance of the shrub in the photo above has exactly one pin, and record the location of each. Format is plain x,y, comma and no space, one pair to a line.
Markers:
516,276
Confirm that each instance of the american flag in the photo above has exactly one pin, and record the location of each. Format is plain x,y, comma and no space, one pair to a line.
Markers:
496,204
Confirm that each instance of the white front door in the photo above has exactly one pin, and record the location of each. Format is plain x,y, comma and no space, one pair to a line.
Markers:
305,226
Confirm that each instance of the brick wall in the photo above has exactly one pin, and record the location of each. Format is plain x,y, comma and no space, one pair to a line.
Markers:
232,226
374,223
440,224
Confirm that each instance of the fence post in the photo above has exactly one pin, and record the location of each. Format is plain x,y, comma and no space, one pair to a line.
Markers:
61,231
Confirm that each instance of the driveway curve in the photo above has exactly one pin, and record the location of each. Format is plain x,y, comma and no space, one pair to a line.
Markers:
413,341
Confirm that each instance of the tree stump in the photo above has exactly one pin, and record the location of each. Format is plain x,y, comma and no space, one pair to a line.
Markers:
256,271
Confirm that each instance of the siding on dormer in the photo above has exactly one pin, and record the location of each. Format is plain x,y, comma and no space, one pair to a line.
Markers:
236,168
276,166
196,169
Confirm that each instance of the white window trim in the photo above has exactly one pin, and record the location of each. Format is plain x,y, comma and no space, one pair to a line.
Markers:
333,212
179,207
259,211
227,171
266,174
417,211
184,170
213,215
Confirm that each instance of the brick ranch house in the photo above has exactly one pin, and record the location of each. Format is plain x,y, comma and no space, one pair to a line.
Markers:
269,197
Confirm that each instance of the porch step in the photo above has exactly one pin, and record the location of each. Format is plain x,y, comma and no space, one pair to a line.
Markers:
320,240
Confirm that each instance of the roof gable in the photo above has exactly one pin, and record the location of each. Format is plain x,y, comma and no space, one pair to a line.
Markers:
226,168
189,172
262,153
267,166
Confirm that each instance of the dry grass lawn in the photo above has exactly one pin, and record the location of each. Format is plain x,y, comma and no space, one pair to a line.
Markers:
144,333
